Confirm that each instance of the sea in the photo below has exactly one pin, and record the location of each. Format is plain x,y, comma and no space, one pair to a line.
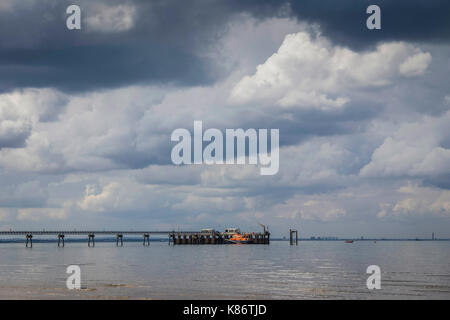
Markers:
310,270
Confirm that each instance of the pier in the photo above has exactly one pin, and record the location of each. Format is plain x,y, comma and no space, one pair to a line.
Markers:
205,236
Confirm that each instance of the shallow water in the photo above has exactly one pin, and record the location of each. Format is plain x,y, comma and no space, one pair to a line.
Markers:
311,270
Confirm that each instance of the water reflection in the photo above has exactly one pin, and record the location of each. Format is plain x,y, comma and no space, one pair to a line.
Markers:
312,270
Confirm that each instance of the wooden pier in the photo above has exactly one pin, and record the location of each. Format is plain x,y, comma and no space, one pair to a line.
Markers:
175,237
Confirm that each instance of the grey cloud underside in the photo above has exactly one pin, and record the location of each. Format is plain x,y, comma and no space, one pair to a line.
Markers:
80,69
167,40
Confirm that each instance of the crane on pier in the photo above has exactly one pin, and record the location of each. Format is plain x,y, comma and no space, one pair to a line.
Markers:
264,227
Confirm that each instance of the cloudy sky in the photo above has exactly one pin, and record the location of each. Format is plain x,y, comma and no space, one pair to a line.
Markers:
86,115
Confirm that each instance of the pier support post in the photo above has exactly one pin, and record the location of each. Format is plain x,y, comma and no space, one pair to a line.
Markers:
119,236
60,237
29,238
91,236
147,237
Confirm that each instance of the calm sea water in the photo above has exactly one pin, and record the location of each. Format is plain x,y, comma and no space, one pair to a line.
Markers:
311,270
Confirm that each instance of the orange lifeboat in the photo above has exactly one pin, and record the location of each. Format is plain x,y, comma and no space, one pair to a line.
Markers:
239,238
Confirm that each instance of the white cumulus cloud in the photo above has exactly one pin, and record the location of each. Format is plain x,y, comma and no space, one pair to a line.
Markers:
109,18
415,149
311,73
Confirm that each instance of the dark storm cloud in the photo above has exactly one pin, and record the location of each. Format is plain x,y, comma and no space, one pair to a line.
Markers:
345,21
37,50
166,40
87,68
164,44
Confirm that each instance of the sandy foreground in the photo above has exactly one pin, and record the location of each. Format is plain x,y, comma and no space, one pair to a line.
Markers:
106,292
34,293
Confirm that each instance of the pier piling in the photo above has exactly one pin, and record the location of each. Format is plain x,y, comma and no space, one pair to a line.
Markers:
147,238
119,236
91,236
29,238
60,237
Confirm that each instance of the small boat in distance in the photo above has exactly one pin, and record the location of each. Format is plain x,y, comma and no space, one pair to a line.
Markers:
348,241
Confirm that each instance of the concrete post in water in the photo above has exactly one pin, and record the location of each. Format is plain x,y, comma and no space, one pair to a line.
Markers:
291,238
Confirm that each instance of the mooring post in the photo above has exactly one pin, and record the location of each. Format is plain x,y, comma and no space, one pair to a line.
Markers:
291,237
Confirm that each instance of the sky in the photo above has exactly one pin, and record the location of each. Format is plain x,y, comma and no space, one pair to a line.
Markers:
86,115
